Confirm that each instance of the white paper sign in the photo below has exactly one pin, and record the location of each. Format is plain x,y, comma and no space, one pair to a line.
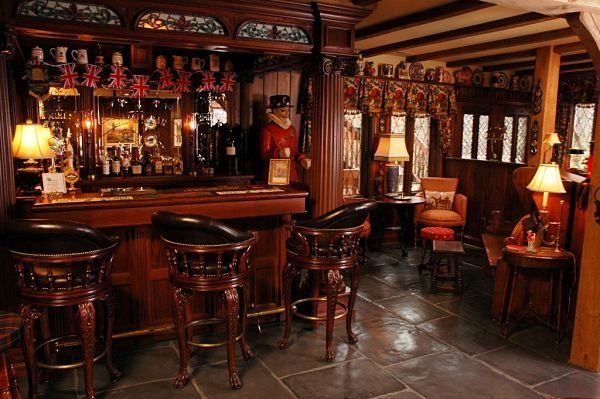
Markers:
54,183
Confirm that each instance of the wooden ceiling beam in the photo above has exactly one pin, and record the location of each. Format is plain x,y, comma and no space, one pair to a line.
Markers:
569,47
364,2
419,18
530,64
491,58
576,67
495,45
488,27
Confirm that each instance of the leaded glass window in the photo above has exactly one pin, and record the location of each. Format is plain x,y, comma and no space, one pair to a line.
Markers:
421,149
398,124
467,136
351,152
583,130
521,138
69,11
508,138
482,137
181,23
268,31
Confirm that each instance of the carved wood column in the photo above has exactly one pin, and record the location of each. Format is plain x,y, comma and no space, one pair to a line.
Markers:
547,68
325,175
7,172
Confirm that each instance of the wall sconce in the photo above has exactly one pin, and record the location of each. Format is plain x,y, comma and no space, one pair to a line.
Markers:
392,149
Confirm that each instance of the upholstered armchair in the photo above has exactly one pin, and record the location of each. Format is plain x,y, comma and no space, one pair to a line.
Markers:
444,207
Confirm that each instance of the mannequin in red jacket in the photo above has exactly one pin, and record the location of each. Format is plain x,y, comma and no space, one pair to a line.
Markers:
278,138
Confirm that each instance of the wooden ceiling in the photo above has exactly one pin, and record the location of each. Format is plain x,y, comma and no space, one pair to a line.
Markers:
467,32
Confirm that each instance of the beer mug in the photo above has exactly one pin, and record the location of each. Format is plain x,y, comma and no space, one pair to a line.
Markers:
37,54
117,58
197,64
59,54
161,62
99,60
179,61
80,56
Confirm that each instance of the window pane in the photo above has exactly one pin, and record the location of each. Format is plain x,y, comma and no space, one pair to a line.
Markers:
398,124
482,137
421,149
521,136
508,138
467,136
351,155
583,125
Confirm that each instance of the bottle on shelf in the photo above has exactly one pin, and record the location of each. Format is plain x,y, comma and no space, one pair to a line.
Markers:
178,164
115,163
136,165
105,160
147,167
157,164
231,154
125,163
168,166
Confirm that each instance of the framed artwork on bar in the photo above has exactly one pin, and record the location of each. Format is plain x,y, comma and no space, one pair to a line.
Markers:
119,131
279,172
54,183
177,139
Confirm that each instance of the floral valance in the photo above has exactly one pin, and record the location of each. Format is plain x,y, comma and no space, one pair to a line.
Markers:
376,94
69,11
269,31
578,89
167,21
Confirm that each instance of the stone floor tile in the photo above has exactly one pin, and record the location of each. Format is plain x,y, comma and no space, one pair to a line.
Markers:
526,366
346,380
573,385
463,335
412,309
152,390
541,339
453,375
375,290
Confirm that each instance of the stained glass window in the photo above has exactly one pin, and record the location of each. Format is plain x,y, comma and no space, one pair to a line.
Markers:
467,136
508,138
521,138
69,11
351,152
421,149
268,31
583,130
482,137
398,124
181,23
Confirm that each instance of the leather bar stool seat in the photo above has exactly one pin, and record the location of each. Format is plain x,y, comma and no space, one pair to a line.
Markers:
207,256
327,244
62,264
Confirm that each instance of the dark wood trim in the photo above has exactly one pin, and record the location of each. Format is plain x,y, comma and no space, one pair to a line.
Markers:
569,47
491,58
496,44
509,65
575,57
427,16
364,2
577,67
488,27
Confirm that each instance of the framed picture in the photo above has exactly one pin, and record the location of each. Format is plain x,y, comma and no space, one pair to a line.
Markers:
54,183
119,131
279,171
177,140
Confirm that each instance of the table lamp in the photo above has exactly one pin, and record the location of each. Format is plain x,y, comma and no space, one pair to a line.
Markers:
392,149
546,180
550,139
31,143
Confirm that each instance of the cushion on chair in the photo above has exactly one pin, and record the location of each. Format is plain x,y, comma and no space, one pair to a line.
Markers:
10,330
439,199
441,217
437,233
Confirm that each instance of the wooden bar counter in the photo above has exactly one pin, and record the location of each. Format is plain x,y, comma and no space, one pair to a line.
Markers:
140,274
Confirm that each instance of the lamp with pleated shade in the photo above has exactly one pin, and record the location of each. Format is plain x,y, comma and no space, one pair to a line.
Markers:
31,143
546,180
392,149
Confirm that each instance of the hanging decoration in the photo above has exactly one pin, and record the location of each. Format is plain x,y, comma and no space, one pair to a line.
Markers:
183,82
351,92
91,76
208,81
140,86
536,106
165,80
416,102
395,96
68,76
438,100
227,82
372,99
117,77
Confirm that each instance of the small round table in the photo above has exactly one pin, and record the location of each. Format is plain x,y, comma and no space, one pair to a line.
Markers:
404,210
546,259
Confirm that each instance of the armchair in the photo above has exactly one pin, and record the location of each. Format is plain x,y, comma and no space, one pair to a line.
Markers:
454,218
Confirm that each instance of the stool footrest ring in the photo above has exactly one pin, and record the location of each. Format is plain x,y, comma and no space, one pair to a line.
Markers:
317,318
209,321
66,366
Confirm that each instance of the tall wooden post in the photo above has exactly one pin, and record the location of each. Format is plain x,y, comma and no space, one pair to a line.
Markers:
325,175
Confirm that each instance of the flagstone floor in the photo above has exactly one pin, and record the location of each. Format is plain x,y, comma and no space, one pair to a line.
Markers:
412,344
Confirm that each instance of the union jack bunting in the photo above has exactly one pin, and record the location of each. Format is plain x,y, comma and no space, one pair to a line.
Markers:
140,86
117,77
208,81
165,81
91,76
68,75
183,82
227,82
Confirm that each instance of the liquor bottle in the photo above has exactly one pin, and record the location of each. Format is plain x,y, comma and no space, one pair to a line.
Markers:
125,163
115,163
105,163
168,166
157,164
178,164
136,165
147,167
231,155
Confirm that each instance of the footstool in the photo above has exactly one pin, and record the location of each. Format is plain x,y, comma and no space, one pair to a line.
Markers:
10,337
451,252
433,233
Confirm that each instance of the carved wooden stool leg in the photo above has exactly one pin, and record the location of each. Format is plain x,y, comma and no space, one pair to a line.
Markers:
289,272
233,310
45,330
180,298
29,315
334,279
109,300
87,323
246,352
9,388
354,278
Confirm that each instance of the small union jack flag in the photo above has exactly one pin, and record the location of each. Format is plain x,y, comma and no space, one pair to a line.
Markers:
165,81
91,76
117,77
140,86
208,80
183,82
68,75
227,82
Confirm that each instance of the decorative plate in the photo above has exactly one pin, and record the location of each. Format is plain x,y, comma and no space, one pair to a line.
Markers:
501,80
446,77
464,76
524,83
416,71
478,77
150,123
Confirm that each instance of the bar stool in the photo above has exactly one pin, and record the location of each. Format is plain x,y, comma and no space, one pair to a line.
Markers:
433,233
326,244
207,256
10,337
59,264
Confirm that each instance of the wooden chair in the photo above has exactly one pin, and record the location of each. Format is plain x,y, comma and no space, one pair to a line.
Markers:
207,256
61,264
327,244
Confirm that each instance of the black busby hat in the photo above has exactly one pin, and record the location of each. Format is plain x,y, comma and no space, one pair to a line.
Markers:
279,101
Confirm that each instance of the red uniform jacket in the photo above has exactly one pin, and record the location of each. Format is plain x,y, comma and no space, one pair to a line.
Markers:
274,138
